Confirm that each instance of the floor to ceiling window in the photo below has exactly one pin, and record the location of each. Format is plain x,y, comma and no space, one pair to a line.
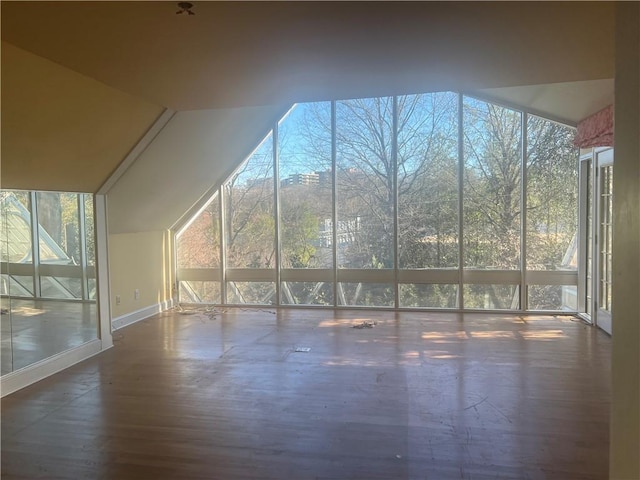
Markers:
428,201
437,200
305,220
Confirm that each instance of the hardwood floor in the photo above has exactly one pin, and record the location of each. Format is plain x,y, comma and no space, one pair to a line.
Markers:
417,396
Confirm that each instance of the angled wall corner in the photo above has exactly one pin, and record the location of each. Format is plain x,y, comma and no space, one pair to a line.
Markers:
63,131
195,150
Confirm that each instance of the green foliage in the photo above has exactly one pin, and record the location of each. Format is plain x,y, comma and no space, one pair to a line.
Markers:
412,184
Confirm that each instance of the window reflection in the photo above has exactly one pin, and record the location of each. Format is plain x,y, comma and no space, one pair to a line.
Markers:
48,293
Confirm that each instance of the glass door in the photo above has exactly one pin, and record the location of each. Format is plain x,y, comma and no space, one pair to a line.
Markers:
596,213
604,241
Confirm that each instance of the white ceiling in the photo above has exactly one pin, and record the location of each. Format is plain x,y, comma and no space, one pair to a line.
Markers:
567,102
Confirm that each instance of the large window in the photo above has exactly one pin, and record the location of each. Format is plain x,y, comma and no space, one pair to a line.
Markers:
198,256
306,205
249,229
492,186
428,199
436,200
552,216
365,200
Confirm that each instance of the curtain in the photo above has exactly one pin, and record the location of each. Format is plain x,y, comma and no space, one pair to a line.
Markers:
596,130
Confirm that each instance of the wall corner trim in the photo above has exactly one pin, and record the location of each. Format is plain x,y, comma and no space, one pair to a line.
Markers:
137,150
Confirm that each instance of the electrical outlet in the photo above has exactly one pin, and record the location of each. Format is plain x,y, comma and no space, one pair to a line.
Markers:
136,294
117,299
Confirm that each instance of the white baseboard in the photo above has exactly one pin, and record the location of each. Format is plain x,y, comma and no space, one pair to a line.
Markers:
33,373
136,316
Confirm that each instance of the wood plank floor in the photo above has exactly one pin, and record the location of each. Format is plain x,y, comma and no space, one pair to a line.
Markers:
417,396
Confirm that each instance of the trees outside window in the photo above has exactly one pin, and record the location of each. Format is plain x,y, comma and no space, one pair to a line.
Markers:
492,186
428,181
413,201
552,213
198,248
249,215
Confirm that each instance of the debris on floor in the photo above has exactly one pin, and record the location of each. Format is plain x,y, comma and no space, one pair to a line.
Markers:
364,324
302,349
209,311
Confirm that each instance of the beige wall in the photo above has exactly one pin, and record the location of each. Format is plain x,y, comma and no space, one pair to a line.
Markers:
231,54
625,362
61,130
139,261
192,153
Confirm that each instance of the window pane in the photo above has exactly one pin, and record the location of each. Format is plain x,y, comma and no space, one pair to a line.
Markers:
365,201
306,186
17,285
250,222
306,293
552,196
199,244
16,227
58,228
92,288
255,293
366,294
492,297
199,292
552,297
61,287
428,296
428,181
492,183
89,229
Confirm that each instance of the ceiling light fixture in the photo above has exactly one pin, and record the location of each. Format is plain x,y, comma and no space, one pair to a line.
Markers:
185,7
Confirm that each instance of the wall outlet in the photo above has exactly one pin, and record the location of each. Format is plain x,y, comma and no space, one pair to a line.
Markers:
117,299
136,294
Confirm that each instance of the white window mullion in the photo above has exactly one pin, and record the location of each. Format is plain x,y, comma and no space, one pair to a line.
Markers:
35,244
523,212
394,160
276,208
334,213
83,245
223,244
460,201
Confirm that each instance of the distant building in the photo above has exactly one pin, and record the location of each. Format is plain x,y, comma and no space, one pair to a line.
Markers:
301,179
311,178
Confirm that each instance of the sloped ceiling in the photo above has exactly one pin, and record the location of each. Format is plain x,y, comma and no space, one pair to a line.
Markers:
62,130
83,81
194,151
567,102
232,54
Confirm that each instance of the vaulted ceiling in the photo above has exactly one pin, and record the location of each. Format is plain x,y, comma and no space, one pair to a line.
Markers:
232,54
82,82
